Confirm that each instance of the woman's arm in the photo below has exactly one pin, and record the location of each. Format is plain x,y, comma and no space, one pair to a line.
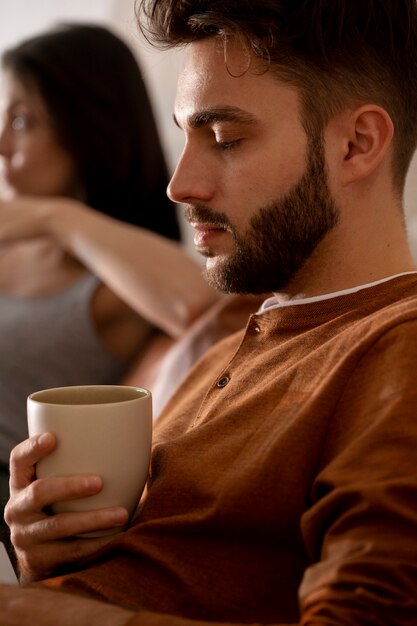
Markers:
153,275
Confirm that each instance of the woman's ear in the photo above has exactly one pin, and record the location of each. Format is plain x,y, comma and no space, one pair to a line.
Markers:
369,131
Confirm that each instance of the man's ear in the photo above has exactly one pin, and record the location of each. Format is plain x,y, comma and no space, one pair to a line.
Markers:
369,131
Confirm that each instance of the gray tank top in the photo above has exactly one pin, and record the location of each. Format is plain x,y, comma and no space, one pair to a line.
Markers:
47,342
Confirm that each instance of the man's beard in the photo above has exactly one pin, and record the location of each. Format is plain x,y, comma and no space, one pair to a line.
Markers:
280,237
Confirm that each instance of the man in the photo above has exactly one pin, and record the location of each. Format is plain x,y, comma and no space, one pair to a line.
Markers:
284,482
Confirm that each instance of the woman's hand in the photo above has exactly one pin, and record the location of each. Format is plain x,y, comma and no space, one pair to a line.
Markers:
24,218
43,542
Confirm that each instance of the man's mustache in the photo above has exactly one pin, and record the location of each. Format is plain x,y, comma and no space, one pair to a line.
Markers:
202,214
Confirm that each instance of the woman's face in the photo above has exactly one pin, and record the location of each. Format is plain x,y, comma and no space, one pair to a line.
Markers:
31,159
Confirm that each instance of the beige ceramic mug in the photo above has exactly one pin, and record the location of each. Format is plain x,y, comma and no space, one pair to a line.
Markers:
100,429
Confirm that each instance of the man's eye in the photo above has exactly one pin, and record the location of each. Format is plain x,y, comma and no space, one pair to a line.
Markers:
227,145
19,123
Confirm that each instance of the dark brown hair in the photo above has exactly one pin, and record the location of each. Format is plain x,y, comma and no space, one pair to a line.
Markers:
93,91
337,52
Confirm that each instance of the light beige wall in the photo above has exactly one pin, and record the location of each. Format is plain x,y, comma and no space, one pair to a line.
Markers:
19,18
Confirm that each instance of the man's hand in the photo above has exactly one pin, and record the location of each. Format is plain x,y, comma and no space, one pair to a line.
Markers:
22,606
41,541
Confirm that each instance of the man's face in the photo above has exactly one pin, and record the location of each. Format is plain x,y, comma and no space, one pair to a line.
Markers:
254,186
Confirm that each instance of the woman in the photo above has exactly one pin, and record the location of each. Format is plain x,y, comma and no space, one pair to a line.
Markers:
81,291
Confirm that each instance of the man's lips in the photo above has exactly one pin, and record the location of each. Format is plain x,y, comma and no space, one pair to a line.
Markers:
205,233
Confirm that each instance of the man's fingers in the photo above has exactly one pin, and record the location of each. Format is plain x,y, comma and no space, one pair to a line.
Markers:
42,542
44,492
43,560
24,457
52,528
44,545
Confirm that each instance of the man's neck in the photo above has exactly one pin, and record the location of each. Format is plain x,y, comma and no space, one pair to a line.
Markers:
344,260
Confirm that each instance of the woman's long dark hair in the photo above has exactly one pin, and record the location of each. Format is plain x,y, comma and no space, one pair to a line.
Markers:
93,90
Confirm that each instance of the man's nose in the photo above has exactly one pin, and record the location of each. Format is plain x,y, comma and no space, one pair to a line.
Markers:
193,179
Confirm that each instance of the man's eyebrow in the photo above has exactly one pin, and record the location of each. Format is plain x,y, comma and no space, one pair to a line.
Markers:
218,114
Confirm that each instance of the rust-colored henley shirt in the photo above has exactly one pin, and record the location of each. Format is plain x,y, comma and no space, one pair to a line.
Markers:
284,476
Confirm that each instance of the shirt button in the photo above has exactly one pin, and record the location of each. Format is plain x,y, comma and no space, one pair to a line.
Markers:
224,380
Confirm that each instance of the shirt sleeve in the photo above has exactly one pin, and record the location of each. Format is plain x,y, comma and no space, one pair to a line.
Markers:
361,527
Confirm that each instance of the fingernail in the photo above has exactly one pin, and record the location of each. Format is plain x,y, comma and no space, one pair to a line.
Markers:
44,440
119,516
93,483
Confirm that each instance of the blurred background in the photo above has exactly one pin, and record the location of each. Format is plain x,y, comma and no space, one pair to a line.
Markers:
21,18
